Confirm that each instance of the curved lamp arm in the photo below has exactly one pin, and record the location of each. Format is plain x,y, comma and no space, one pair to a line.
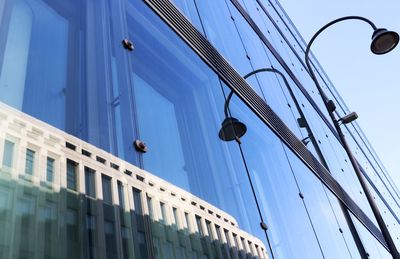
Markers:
307,59
383,41
255,72
228,99
274,70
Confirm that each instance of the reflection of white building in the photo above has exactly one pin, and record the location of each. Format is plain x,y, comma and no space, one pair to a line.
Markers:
61,197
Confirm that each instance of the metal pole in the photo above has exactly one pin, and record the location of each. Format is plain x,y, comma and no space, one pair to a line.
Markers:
330,106
321,157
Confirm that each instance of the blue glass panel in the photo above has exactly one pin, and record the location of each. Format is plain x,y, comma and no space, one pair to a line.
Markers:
152,107
54,65
277,190
36,80
274,90
373,248
326,216
189,8
222,32
180,107
295,42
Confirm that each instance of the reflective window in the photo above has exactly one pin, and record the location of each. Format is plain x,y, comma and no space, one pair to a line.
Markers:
72,242
186,221
137,201
39,75
222,32
24,217
8,153
209,230
121,195
163,213
91,236
90,188
138,219
126,243
111,247
63,63
198,225
189,8
175,216
72,175
29,161
325,213
50,169
150,207
107,192
277,190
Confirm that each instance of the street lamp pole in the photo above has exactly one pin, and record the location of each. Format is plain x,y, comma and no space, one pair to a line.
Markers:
383,41
303,123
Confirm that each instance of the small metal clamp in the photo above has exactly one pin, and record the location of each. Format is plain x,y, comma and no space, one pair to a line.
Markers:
128,44
140,146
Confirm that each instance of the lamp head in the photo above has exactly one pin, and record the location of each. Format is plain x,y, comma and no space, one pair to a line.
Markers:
349,118
231,128
383,41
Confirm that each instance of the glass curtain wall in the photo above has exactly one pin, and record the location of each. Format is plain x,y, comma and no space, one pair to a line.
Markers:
72,72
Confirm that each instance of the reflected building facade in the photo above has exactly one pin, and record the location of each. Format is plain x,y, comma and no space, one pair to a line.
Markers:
74,101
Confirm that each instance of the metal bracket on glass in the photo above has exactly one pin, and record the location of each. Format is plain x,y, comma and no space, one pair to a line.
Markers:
140,146
128,45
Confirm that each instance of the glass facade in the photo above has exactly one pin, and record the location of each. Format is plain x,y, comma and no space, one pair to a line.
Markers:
74,100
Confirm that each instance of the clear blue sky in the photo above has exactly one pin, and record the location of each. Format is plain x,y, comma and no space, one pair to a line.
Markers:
369,84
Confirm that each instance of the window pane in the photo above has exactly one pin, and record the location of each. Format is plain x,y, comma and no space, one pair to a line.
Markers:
50,169
91,236
126,243
72,226
8,153
199,228
29,161
121,195
111,248
163,213
106,183
71,175
137,201
150,207
186,222
90,182
175,216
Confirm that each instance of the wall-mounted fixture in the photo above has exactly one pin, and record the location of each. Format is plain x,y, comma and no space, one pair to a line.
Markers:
128,45
140,146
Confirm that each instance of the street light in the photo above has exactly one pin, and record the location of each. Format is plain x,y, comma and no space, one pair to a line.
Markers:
383,41
231,127
303,123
